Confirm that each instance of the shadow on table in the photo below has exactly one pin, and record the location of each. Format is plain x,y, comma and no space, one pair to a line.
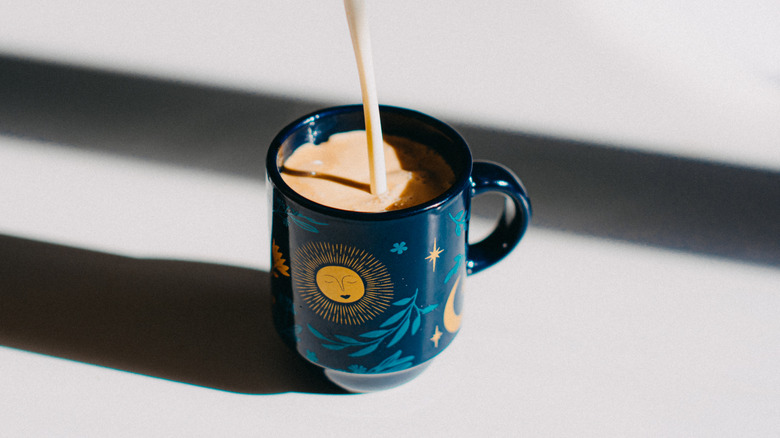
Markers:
197,323
599,190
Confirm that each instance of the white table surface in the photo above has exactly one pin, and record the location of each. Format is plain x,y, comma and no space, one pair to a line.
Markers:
568,336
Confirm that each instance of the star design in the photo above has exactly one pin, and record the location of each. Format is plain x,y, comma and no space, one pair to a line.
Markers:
434,254
436,336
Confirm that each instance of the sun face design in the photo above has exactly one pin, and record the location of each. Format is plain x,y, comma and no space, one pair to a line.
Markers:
340,283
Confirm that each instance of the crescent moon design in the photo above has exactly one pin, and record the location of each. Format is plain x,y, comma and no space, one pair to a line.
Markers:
452,319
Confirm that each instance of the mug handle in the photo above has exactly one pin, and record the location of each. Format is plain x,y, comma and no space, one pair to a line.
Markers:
486,177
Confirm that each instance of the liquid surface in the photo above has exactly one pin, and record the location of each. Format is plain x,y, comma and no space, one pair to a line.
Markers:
335,173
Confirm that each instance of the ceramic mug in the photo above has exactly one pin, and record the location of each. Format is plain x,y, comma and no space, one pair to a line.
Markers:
406,268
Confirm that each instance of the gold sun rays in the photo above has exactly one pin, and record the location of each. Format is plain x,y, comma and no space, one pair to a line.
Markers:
377,286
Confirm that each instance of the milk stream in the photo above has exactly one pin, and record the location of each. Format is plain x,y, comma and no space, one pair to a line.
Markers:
361,43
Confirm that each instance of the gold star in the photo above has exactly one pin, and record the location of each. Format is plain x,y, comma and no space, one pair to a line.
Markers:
434,254
436,336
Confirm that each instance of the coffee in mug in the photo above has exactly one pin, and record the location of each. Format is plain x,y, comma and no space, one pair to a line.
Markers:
335,173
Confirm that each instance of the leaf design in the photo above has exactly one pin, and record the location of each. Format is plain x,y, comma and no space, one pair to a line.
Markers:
304,225
346,339
399,367
375,333
458,259
429,309
400,333
393,363
393,319
396,327
316,333
416,324
391,358
403,302
298,219
312,220
365,351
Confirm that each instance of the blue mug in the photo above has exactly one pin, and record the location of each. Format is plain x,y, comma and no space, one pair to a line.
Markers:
393,299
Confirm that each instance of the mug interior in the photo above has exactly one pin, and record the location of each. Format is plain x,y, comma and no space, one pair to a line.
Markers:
317,128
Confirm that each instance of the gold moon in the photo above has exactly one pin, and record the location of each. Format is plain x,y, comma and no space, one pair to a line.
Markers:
452,319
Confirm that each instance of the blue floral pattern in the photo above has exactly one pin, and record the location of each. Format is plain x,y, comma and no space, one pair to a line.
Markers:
399,248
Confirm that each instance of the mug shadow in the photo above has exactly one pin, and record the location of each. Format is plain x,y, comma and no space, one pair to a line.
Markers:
197,323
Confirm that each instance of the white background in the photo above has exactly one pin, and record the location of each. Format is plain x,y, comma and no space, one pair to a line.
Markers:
696,78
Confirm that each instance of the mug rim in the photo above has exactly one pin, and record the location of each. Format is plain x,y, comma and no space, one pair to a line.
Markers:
274,175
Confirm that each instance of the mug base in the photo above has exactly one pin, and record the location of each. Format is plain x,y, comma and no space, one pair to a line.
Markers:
360,383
